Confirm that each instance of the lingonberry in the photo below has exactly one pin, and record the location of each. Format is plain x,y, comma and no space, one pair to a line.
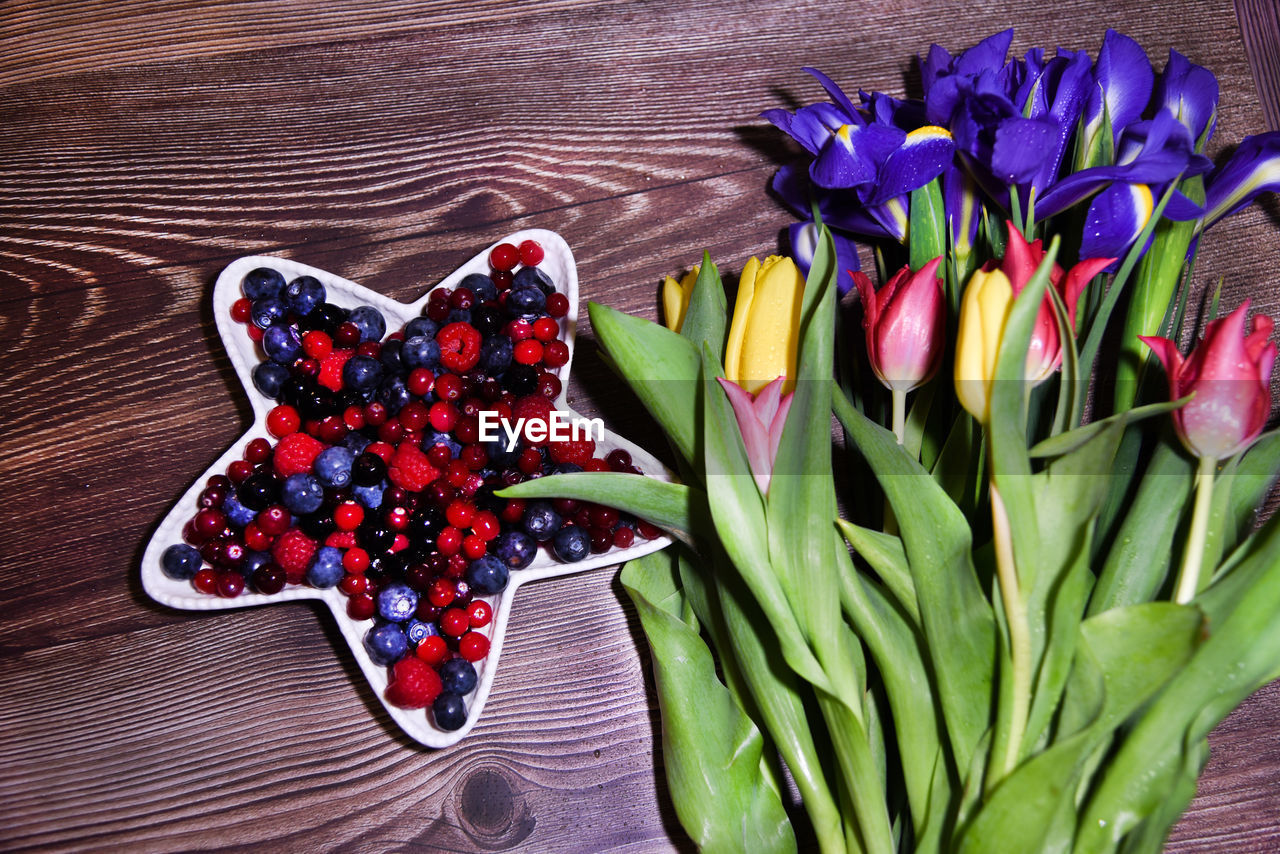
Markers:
504,256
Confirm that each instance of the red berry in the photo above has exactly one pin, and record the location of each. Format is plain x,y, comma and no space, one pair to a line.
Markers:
479,613
504,256
254,332
555,354
361,607
545,329
295,454
330,375
230,584
449,387
502,279
382,450
257,451
413,415
355,560
530,461
467,430
332,429
375,414
486,525
414,684
531,253
557,304
459,347
410,469
528,352
283,420
623,537
460,513
474,547
256,538
391,432
473,646
293,551
433,650
443,416
396,518
239,470
475,457
241,310
454,622
354,585
647,531
268,579
346,335
576,451
596,464
462,298
348,515
449,541
442,592
206,580
519,329
514,511
317,344
419,382
209,523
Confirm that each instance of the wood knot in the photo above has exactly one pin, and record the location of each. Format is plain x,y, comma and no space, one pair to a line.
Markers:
491,809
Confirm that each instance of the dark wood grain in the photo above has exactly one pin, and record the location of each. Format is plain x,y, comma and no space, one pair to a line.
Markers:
145,145
1260,34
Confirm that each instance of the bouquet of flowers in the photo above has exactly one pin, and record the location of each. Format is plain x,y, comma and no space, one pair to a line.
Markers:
1003,610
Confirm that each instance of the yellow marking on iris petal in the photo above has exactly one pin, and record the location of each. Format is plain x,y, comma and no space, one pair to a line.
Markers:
927,133
1143,202
844,134
898,211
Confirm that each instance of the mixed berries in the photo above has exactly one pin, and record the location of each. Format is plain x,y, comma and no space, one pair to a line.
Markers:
379,482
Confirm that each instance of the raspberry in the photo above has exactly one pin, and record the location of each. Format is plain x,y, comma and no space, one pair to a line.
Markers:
576,451
341,539
331,369
414,684
459,347
532,408
295,453
410,469
293,552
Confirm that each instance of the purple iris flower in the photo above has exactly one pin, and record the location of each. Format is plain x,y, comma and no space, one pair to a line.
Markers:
803,237
1124,79
1253,169
1190,92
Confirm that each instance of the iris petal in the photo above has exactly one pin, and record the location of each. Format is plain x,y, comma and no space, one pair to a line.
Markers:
1253,169
1125,79
923,156
1116,217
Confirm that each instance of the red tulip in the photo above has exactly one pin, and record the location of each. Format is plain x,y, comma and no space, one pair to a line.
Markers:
1019,264
904,323
1230,375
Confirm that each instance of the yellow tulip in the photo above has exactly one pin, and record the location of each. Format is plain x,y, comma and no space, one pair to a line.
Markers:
675,299
983,312
765,333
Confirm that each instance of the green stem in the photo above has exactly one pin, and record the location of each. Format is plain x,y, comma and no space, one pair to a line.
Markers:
900,415
1015,610
1189,576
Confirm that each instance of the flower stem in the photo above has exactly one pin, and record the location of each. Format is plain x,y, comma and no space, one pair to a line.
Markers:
900,415
1015,611
1189,576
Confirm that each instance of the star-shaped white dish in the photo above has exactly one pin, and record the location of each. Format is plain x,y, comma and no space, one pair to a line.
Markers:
559,265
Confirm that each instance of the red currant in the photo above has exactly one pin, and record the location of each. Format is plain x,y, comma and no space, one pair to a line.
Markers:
454,622
555,354
545,329
531,253
241,310
528,352
623,537
433,650
479,614
355,560
283,420
361,606
473,646
557,304
503,257
348,515
317,344
420,381
442,592
230,584
449,387
502,279
257,451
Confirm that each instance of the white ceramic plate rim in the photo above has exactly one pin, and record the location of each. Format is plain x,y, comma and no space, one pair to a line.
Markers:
243,352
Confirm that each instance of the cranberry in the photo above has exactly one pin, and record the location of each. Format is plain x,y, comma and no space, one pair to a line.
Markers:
375,414
623,537
433,650
361,607
420,381
504,256
449,541
257,451
206,580
230,584
241,310
355,559
449,387
473,646
348,515
317,344
502,279
442,416
528,352
268,578
209,523
555,354
557,304
283,420
455,622
531,253
442,592
239,470
413,415
479,613
462,298
346,335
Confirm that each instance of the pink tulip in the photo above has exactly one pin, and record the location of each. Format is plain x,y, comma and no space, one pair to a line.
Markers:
904,323
1019,264
1230,374
761,418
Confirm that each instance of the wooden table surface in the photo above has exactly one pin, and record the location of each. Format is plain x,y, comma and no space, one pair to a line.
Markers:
144,144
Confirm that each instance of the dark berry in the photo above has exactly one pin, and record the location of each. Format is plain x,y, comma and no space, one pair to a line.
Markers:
326,569
269,378
180,562
571,544
487,575
368,470
521,380
481,286
281,344
541,520
532,277
303,294
526,301
302,493
515,548
458,676
266,311
386,643
449,711
261,283
397,602
268,579
369,321
362,373
258,491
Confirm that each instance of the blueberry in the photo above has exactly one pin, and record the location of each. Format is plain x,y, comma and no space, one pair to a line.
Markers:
253,561
390,355
449,711
326,569
386,643
425,526
369,321
361,373
515,548
541,520
571,543
487,319
459,315
180,562
262,282
237,512
457,676
374,538
397,602
423,327
482,286
269,378
393,394
499,456
532,277
368,470
281,343
267,311
304,294
488,575
566,468
356,442
258,490
302,493
369,496
526,301
333,466
496,354
420,352
417,631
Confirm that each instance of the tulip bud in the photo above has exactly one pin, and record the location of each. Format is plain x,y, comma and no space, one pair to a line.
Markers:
983,312
675,299
760,418
765,333
904,323
1230,375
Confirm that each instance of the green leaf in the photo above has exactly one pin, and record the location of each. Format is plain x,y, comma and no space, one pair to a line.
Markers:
704,319
1237,658
711,750
1138,560
928,226
661,502
885,554
959,627
1254,476
1065,443
660,366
